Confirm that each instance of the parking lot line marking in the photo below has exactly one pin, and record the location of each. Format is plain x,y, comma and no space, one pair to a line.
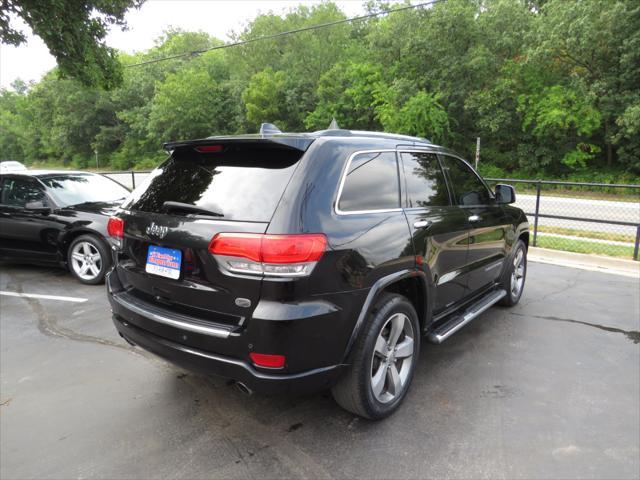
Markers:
44,297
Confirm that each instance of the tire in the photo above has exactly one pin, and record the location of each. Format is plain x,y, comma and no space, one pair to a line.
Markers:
371,360
516,271
91,252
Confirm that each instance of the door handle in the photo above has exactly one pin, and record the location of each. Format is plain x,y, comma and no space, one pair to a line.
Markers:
422,224
474,218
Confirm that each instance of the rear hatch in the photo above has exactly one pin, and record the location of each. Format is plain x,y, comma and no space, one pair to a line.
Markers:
204,188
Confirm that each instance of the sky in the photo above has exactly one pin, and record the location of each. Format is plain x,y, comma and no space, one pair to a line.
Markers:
31,60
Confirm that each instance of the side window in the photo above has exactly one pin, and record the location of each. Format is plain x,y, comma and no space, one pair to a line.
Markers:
467,188
20,193
426,186
371,183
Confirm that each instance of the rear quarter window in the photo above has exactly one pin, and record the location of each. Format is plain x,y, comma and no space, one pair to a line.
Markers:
240,183
370,183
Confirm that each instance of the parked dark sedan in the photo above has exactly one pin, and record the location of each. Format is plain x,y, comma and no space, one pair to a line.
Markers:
58,218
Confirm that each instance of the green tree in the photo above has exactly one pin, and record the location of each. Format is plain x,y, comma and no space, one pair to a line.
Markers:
74,32
194,102
421,115
596,43
265,99
346,92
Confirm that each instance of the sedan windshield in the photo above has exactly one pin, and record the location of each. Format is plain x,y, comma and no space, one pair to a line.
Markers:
76,188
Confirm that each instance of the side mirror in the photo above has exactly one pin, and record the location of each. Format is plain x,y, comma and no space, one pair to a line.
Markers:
505,194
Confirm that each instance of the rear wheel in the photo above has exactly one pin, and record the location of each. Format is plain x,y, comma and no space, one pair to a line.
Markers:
89,259
515,275
383,360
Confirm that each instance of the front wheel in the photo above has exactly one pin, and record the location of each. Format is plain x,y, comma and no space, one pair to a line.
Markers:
89,259
515,275
383,361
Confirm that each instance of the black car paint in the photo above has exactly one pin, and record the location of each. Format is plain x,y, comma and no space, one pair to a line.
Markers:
313,320
43,236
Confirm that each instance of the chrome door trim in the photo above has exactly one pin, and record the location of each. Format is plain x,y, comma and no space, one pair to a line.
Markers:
343,178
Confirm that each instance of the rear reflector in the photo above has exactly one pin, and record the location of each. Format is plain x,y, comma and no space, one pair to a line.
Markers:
267,361
276,255
209,148
115,227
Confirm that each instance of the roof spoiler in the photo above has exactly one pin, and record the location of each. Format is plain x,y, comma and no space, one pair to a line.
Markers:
289,142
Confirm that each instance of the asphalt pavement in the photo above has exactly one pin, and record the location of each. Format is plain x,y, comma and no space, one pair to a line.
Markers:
547,389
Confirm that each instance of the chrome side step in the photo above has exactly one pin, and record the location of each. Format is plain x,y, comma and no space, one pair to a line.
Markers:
455,323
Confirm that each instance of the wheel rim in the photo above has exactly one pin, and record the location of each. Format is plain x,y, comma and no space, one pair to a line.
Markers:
517,274
392,358
86,260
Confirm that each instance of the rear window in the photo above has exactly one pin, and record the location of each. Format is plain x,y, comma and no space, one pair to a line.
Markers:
240,183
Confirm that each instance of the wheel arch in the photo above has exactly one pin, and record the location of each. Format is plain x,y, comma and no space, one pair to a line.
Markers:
71,235
411,283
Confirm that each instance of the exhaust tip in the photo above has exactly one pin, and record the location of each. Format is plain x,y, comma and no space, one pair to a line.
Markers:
243,388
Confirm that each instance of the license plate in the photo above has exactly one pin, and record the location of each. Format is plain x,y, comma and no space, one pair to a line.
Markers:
164,262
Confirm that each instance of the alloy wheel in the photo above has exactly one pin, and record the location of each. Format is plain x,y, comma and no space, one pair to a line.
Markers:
86,260
392,358
517,274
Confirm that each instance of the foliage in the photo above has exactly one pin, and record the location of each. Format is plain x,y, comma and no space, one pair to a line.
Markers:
74,32
265,97
421,115
550,86
347,93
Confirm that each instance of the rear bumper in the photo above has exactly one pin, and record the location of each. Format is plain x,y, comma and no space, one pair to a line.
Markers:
212,364
312,335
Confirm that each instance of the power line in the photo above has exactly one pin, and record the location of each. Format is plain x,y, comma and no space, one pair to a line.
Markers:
288,32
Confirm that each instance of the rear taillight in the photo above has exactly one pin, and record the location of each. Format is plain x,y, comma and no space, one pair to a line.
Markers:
273,255
115,227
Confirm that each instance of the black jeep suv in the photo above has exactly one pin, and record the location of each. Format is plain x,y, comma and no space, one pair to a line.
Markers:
297,262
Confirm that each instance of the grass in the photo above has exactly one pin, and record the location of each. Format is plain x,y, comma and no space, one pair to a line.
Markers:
545,191
618,237
584,246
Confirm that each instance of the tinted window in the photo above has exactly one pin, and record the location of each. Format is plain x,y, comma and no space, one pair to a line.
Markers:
73,189
468,189
237,184
371,183
20,193
426,186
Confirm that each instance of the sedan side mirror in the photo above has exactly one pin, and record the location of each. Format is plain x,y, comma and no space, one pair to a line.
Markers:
505,194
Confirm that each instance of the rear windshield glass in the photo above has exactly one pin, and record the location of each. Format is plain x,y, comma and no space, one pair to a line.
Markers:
236,184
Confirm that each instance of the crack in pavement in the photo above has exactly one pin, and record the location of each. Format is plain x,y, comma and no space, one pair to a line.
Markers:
48,325
233,428
632,335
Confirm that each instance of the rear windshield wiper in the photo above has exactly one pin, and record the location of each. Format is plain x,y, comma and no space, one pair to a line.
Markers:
187,207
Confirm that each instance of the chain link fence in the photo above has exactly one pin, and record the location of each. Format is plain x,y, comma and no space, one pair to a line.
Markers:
577,217
580,217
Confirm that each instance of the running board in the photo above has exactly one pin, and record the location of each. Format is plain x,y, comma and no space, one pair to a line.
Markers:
451,326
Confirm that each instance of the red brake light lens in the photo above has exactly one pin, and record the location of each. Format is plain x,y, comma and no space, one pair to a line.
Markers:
209,148
267,361
272,255
293,248
237,245
280,249
115,227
